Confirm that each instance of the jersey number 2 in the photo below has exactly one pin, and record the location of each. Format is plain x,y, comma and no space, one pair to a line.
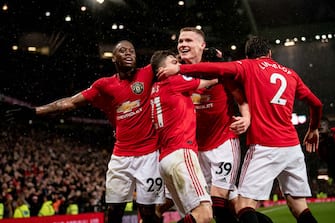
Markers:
283,84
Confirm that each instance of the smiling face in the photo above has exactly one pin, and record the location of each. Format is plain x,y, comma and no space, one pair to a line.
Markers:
191,46
124,56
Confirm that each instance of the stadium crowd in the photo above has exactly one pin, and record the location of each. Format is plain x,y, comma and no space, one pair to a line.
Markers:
39,166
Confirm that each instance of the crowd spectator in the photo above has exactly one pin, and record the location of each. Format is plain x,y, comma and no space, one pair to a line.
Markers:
36,163
22,209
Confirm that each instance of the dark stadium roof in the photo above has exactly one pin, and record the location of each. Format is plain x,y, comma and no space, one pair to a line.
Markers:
68,55
151,24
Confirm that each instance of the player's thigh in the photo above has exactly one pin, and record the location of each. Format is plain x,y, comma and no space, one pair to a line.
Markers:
149,182
259,169
224,163
293,180
120,182
183,169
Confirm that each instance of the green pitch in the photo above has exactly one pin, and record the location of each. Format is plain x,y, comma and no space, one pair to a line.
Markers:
323,212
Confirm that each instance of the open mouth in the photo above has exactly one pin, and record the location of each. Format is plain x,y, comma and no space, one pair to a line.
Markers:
184,51
128,60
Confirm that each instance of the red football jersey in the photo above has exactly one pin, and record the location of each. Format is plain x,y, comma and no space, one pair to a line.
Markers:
270,89
214,108
127,106
173,113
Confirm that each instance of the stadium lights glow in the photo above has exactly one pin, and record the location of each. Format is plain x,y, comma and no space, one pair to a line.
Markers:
114,26
233,47
5,7
100,1
68,18
289,43
302,119
198,27
181,3
47,14
44,50
325,38
31,49
173,37
83,8
323,177
107,55
15,47
298,119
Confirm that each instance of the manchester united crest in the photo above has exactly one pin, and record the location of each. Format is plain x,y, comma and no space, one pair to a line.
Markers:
137,87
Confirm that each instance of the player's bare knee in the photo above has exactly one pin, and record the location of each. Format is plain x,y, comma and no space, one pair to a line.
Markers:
219,192
203,213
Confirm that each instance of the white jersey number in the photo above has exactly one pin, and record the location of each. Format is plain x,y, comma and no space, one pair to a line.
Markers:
283,84
157,110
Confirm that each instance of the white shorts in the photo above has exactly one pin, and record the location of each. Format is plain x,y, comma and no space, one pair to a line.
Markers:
184,180
262,165
221,165
125,174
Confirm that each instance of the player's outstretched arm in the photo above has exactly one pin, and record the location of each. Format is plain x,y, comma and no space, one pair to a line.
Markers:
23,112
20,112
212,69
62,105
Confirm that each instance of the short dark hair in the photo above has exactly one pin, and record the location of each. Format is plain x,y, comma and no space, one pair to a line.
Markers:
120,41
193,29
158,57
256,47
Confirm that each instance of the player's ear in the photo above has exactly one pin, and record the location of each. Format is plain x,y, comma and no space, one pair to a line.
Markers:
113,58
203,45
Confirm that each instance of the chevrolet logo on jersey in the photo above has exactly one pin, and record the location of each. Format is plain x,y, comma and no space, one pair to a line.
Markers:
128,106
